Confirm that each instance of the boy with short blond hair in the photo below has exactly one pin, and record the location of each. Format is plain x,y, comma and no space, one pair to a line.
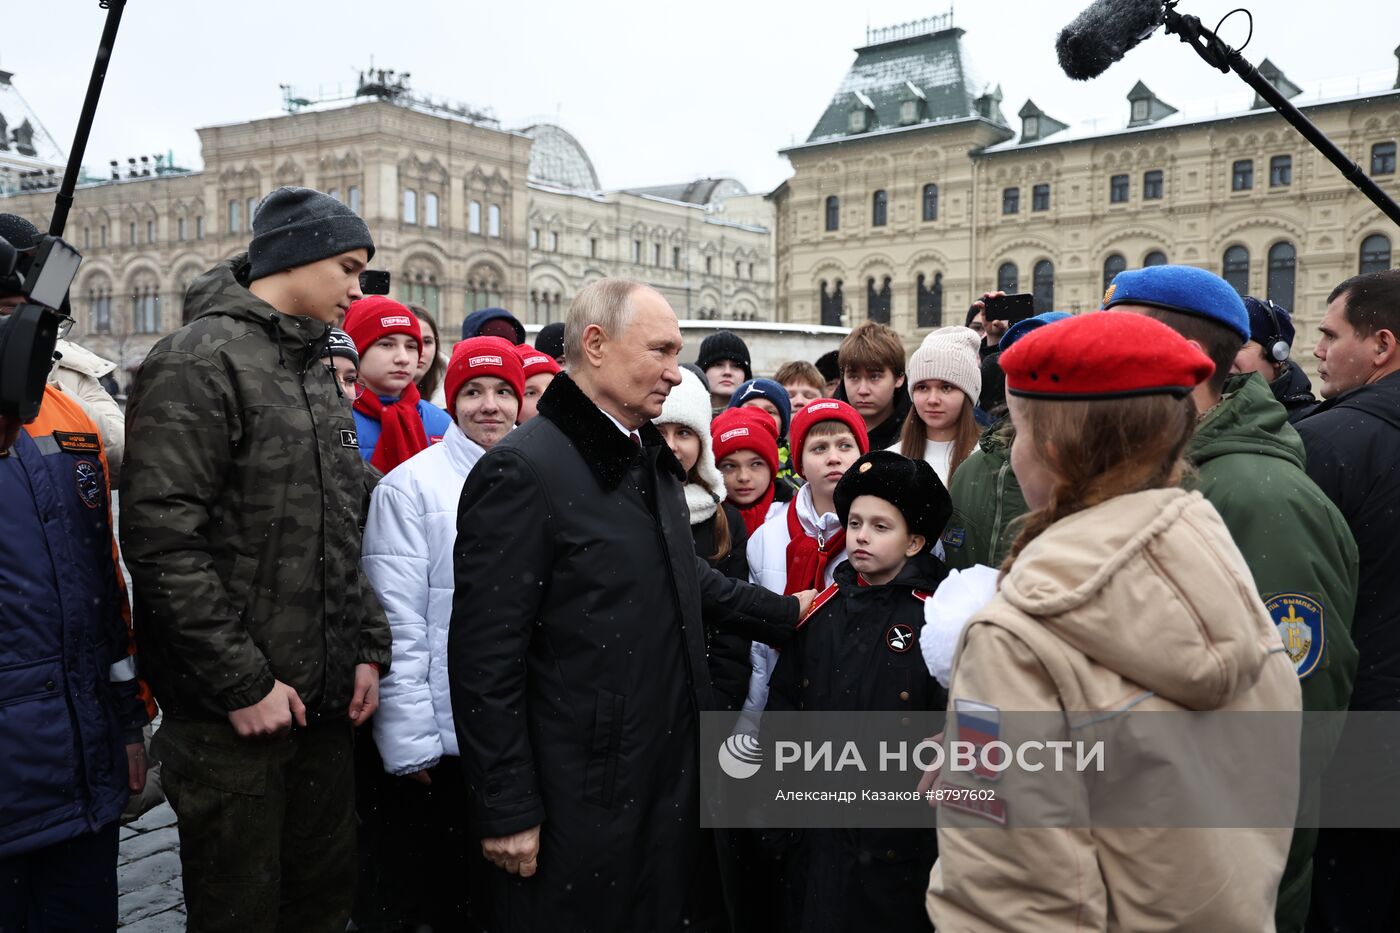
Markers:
871,360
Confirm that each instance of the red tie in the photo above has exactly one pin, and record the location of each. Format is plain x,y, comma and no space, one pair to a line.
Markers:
636,438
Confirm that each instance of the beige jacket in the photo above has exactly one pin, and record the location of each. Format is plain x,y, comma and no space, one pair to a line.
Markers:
1142,603
76,373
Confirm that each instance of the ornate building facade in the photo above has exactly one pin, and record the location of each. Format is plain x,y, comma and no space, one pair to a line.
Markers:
914,194
464,215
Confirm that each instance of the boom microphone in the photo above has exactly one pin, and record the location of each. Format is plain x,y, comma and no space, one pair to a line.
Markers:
1104,33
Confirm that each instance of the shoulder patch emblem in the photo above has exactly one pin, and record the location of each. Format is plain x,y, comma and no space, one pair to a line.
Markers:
954,537
77,443
88,478
980,724
1300,624
900,638
349,439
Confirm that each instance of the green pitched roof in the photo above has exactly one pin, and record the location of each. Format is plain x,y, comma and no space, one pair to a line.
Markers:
928,68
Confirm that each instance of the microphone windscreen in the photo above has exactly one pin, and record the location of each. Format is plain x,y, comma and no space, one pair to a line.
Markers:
1104,33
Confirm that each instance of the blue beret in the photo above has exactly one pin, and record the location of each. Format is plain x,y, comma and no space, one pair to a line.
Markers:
1181,288
1018,330
1261,325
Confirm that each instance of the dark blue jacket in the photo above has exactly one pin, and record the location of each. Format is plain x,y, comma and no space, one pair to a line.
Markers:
68,690
471,327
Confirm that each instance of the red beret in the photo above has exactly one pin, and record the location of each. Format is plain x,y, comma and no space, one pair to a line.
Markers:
826,409
536,362
745,429
483,356
370,318
1105,354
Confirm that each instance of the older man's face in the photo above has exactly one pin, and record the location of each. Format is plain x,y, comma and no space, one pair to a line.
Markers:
641,365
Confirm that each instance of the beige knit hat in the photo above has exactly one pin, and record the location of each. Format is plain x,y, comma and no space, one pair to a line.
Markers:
949,354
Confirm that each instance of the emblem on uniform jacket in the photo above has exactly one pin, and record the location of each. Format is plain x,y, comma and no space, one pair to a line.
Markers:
349,439
1299,619
88,477
76,442
980,724
900,638
954,537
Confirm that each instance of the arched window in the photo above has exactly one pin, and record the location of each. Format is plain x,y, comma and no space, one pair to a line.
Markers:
877,300
483,288
1111,267
832,304
474,217
410,206
1154,258
1008,279
1283,259
879,208
930,202
145,305
833,212
929,311
1043,286
100,306
1375,253
1235,269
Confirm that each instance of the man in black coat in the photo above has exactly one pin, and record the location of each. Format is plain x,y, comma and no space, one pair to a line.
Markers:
1353,447
576,653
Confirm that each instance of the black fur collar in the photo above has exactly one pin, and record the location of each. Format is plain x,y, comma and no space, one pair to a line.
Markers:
607,451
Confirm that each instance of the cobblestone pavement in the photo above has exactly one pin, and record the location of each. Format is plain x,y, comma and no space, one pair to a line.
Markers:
149,899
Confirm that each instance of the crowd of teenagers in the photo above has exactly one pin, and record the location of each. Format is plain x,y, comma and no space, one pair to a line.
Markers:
427,633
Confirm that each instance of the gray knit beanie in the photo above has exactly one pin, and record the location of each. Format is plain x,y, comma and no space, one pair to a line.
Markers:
949,354
297,226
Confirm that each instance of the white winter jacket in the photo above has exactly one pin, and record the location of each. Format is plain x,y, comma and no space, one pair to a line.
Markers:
768,568
407,557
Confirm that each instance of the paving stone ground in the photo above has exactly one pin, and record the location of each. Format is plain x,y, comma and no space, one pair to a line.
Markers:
148,875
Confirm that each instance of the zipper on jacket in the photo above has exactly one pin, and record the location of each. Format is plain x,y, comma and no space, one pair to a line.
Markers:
1000,494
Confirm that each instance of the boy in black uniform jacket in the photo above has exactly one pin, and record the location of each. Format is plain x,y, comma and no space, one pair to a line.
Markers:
858,649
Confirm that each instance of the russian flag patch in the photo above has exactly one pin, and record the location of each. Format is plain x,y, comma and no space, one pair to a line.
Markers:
980,724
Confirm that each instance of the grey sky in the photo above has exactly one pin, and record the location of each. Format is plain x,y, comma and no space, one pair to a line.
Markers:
655,94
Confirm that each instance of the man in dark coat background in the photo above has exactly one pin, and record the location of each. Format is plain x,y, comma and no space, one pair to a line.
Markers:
1353,446
576,652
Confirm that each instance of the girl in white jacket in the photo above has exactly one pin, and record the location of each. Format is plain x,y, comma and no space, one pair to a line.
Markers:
407,557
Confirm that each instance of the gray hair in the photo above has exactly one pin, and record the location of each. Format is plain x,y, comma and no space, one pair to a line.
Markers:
606,303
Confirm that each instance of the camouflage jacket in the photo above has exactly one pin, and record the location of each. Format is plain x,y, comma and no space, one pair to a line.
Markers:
242,504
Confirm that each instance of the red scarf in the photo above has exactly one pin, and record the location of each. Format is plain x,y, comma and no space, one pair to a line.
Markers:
756,514
401,433
806,562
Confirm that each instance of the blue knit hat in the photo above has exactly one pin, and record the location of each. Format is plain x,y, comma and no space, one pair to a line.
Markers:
1181,288
767,389
1018,330
1262,329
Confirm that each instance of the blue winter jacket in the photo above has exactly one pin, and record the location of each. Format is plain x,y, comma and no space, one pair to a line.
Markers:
69,698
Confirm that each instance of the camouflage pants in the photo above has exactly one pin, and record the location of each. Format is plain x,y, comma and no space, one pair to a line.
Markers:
267,826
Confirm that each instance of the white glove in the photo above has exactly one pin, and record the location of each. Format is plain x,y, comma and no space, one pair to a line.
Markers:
947,612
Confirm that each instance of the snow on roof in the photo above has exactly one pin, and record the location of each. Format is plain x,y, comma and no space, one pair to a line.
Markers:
1366,87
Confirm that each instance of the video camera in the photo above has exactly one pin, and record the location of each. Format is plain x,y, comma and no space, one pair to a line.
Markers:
41,276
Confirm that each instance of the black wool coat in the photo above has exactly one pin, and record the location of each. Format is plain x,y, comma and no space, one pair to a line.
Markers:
726,650
576,660
1353,446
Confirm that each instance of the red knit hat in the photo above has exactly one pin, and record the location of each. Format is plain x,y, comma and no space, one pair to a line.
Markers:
377,316
483,356
745,429
1106,354
826,409
536,362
